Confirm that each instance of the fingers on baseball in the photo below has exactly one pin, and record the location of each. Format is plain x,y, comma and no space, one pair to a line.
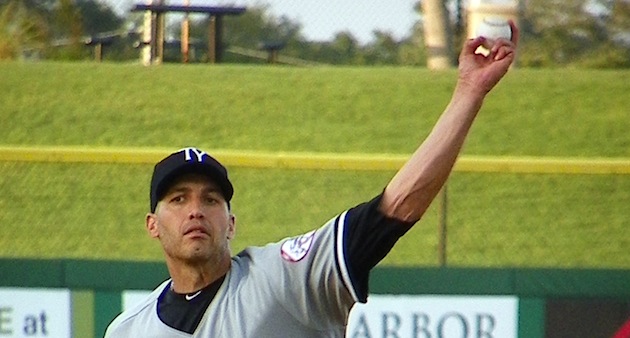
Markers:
501,49
471,45
504,47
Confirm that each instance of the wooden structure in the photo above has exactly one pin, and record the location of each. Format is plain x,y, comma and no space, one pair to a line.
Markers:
155,43
272,49
98,43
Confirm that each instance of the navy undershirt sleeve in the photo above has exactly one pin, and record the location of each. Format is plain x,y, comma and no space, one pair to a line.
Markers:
368,237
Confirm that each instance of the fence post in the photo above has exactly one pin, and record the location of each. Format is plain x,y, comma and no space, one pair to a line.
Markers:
442,229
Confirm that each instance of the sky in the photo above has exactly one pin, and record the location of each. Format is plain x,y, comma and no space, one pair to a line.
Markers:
322,19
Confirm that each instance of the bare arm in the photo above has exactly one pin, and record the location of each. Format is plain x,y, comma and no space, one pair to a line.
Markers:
410,192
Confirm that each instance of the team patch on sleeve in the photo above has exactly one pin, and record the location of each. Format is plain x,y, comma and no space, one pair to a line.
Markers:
296,248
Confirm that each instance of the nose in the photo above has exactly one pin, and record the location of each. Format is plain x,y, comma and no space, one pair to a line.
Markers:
196,210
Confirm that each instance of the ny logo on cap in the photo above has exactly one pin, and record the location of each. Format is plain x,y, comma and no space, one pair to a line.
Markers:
190,151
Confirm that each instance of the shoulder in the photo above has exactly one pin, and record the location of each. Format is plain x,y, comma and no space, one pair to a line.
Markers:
123,324
293,249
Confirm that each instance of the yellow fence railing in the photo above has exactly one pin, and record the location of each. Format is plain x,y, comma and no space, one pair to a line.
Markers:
311,160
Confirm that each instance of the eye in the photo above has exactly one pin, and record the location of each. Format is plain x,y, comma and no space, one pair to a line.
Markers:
177,199
211,199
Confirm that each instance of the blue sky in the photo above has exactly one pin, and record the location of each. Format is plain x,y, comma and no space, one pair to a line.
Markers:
321,19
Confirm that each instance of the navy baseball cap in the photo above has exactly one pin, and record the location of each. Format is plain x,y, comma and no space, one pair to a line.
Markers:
184,161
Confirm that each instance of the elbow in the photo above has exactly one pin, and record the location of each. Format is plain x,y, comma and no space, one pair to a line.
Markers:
406,207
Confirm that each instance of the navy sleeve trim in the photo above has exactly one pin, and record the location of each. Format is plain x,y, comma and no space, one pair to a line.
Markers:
340,256
367,237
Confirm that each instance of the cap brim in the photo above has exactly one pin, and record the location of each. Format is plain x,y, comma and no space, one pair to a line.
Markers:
195,168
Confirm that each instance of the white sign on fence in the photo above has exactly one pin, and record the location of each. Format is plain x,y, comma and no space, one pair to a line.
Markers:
35,313
389,316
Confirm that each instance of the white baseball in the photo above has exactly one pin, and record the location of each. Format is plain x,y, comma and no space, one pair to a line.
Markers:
493,28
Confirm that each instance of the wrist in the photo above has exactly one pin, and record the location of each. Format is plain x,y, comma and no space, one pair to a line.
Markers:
469,94
470,91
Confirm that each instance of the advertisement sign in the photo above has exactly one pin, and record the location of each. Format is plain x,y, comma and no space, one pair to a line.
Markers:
389,316
35,313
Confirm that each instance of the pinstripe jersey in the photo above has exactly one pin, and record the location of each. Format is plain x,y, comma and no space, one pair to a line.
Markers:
298,287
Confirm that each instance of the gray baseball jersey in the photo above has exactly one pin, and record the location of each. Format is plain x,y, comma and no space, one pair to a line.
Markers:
286,289
298,287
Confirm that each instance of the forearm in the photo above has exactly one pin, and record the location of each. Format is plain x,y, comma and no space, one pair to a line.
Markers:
410,192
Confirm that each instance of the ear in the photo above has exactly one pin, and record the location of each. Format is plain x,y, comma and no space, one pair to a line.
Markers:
231,233
151,224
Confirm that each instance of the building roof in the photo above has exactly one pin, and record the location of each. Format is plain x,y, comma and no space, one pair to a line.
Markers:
212,10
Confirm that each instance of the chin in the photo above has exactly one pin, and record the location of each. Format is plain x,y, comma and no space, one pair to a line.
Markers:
197,254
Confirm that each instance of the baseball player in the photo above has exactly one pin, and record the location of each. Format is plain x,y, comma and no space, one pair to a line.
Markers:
303,286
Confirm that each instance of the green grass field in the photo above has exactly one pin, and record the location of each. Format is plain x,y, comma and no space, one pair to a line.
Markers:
96,211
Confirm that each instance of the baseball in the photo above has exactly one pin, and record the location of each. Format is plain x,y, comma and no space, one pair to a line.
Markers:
493,28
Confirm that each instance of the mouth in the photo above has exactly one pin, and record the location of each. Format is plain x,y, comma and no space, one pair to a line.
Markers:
196,231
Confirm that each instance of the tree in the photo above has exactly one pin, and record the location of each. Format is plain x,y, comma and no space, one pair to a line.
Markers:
574,32
35,6
346,48
23,31
383,50
101,23
96,17
67,30
412,51
616,20
53,28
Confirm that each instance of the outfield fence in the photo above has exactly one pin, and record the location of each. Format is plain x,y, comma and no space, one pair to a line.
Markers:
332,161
495,211
542,303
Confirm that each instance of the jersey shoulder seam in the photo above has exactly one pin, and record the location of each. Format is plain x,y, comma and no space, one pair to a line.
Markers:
130,314
269,279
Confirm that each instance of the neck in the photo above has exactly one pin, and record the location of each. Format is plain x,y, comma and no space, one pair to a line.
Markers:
190,276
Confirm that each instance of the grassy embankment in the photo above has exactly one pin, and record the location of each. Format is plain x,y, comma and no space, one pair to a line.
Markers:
97,211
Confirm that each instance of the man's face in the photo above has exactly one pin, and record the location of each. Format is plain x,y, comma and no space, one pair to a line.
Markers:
192,221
